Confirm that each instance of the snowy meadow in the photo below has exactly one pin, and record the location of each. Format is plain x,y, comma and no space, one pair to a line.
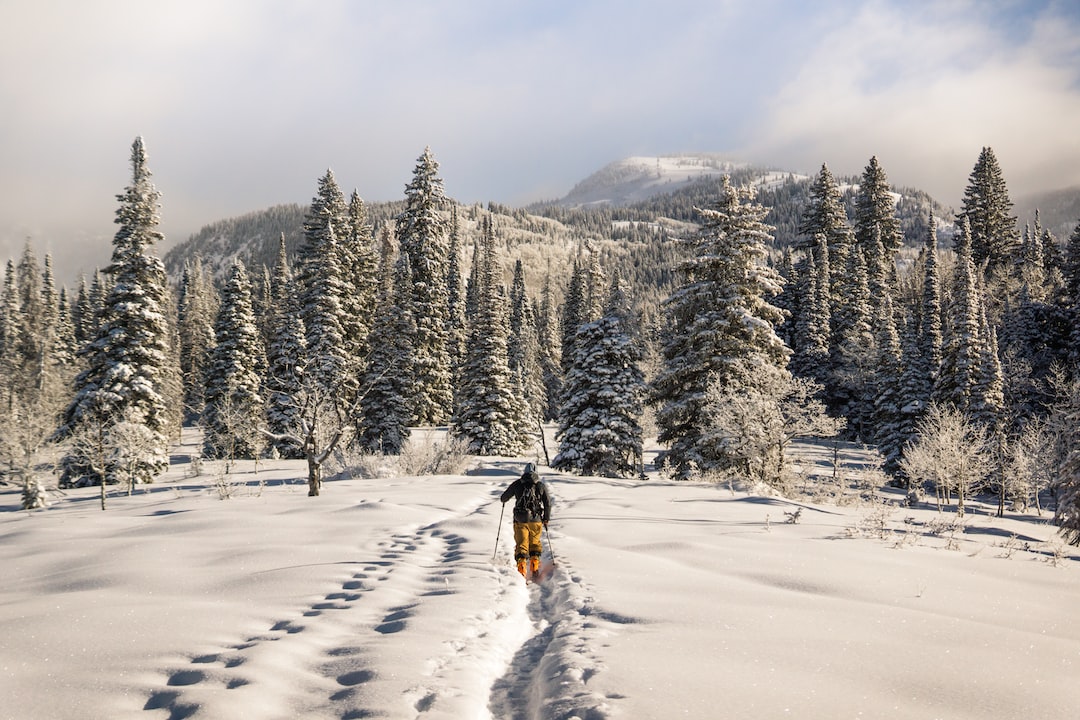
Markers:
388,597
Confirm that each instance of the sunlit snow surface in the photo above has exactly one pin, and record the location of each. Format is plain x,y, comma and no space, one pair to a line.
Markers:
381,599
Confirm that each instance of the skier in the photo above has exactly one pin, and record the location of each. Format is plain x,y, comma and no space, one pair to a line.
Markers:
532,510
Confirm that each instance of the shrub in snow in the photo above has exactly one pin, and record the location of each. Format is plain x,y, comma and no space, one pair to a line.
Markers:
34,495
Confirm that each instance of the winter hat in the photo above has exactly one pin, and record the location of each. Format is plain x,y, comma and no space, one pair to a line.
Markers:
530,467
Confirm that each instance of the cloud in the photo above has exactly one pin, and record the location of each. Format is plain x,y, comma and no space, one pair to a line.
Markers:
245,104
925,91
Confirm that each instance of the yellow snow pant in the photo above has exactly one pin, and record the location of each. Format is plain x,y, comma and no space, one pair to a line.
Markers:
527,540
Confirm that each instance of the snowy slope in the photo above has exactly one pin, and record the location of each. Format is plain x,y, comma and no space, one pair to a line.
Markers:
635,179
381,598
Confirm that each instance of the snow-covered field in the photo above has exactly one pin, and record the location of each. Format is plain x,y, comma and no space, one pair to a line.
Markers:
381,599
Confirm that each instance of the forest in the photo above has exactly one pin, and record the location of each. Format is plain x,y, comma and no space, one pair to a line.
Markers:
724,320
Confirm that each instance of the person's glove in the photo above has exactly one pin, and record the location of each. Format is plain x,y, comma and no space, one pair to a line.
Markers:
545,526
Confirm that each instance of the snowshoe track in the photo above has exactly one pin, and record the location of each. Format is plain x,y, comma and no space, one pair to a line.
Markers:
331,642
548,678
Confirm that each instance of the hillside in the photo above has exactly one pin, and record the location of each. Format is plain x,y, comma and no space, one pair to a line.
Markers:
1059,210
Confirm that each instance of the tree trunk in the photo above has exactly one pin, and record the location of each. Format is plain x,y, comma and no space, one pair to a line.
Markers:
314,475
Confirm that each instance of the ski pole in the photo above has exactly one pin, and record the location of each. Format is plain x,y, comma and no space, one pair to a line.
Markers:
498,532
551,550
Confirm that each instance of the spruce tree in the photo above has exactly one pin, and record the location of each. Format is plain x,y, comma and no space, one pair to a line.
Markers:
599,430
889,421
721,327
126,361
549,346
812,334
359,278
961,352
876,221
455,301
573,312
196,310
422,234
489,413
286,355
523,352
319,276
987,209
234,415
385,409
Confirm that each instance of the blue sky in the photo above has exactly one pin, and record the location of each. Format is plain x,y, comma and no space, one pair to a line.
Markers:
244,103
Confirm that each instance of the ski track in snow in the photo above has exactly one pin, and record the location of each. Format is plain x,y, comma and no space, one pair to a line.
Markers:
521,653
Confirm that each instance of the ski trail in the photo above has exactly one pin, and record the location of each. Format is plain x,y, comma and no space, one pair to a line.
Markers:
549,675
378,644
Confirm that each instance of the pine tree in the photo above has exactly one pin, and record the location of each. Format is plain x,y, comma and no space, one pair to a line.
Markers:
720,324
599,428
455,302
422,234
196,310
812,334
82,316
387,384
889,421
573,312
550,355
358,265
986,207
930,333
877,229
523,352
852,365
286,355
825,224
126,362
319,276
489,412
961,352
234,415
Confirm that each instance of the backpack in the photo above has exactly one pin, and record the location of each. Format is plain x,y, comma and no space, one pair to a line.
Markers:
529,502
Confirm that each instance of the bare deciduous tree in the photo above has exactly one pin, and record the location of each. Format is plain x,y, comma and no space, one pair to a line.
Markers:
951,452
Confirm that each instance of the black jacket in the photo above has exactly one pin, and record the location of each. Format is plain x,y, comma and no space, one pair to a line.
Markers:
517,488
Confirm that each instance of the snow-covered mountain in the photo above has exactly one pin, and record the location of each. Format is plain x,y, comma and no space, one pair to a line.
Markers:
634,179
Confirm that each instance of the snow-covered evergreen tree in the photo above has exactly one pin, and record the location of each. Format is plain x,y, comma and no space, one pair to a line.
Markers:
889,421
489,412
385,409
286,356
197,308
852,367
812,322
599,430
1064,423
235,412
455,301
876,221
550,350
721,327
987,208
359,277
37,367
824,223
523,352
126,362
422,234
961,352
319,276
572,314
